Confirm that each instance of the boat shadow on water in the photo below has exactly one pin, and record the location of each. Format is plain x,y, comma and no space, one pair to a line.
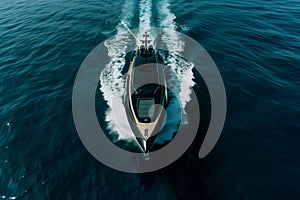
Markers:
188,166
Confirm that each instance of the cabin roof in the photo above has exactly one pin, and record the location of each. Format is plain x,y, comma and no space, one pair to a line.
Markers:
144,57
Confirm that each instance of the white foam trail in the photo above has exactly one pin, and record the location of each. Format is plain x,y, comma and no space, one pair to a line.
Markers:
182,83
145,14
111,78
128,29
145,20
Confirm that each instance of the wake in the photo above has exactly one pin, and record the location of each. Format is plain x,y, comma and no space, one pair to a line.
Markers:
111,78
181,82
112,83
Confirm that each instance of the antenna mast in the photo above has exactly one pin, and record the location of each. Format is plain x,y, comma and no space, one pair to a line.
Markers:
145,41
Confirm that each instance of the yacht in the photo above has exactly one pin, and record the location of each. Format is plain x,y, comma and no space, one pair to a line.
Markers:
145,97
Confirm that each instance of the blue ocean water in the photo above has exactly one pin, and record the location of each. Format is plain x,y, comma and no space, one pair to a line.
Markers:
255,46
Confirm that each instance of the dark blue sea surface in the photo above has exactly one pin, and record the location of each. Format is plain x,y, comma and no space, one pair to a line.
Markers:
256,46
